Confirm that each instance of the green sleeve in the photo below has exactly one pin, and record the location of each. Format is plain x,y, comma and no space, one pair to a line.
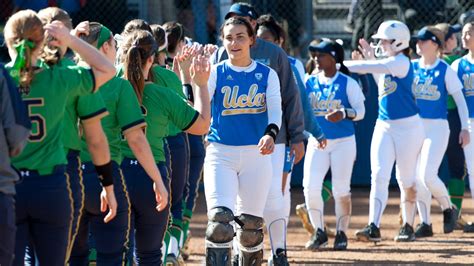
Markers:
91,106
77,79
179,111
129,113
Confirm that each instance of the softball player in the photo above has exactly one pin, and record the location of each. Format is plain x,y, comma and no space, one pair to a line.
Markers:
398,133
269,30
433,81
337,100
245,102
89,109
454,152
44,200
160,106
464,67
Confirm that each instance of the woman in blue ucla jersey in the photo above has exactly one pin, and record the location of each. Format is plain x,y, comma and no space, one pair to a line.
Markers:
398,133
434,80
277,207
464,67
337,100
246,117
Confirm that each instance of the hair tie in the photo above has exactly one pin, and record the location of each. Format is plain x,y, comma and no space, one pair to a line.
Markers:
20,60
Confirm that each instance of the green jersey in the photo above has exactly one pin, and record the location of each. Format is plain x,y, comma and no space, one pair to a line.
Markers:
450,59
46,103
85,107
167,78
124,115
161,107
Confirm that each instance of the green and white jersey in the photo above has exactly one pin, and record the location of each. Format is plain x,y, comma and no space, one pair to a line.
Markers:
161,107
168,79
85,108
46,103
124,115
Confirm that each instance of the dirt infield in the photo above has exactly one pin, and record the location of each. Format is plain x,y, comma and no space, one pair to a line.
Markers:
455,248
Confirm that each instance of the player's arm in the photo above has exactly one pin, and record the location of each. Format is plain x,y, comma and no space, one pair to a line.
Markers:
99,149
266,144
103,69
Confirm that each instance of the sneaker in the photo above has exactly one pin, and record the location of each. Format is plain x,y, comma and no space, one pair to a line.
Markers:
302,213
340,243
171,260
423,230
406,234
318,240
468,228
450,216
370,233
280,259
460,223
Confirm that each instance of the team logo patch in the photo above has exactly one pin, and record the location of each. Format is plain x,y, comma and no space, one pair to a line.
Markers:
258,76
436,74
468,68
229,77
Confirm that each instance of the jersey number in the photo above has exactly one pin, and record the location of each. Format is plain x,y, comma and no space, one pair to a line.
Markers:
38,131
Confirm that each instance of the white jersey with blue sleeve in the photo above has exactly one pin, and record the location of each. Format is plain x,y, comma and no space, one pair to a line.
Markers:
464,67
244,101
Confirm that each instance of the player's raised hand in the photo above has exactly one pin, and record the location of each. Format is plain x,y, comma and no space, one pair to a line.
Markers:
368,52
108,201
81,28
161,195
58,34
200,70
266,145
464,138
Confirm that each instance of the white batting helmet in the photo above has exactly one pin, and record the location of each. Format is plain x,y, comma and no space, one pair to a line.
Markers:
393,30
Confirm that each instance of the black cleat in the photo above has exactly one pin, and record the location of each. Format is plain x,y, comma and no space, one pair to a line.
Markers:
318,240
370,233
450,217
406,234
468,228
423,230
340,242
280,259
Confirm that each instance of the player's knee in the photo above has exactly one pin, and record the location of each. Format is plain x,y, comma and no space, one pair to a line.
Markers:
251,232
219,229
410,194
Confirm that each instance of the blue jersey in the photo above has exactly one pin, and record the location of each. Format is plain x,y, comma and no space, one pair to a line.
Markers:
466,75
238,107
429,88
396,100
325,97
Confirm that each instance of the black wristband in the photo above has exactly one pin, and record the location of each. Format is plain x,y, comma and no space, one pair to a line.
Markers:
105,173
272,131
188,90
350,113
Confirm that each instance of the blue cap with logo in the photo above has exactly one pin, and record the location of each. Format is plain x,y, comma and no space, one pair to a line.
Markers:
424,35
242,9
326,47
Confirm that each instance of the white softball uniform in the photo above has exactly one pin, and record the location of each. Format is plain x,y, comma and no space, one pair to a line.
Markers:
398,134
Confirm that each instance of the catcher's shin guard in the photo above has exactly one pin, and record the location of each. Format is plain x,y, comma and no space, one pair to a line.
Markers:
250,237
219,236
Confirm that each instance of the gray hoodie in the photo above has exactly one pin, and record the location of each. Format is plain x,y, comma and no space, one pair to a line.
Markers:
14,130
292,125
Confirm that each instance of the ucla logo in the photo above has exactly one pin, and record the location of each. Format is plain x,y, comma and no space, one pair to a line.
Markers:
425,91
468,82
258,76
250,103
322,105
389,87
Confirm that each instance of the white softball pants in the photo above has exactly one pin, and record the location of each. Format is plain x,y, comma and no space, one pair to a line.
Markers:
339,155
429,160
393,141
237,177
469,154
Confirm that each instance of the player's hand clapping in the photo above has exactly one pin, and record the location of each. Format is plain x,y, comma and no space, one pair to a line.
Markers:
200,70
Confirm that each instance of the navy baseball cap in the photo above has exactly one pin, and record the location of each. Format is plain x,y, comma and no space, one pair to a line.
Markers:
326,47
243,10
448,30
424,35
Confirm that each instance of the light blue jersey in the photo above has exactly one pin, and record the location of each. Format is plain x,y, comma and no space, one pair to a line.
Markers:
396,100
466,75
325,97
238,107
429,88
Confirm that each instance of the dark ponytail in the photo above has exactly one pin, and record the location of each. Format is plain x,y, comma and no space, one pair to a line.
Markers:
267,22
138,47
340,58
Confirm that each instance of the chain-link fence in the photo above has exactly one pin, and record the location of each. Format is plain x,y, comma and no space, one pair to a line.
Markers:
304,20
